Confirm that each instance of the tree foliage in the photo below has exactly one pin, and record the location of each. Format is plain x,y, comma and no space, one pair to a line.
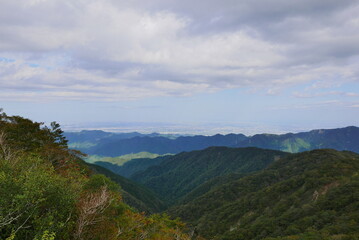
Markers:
311,195
47,192
178,175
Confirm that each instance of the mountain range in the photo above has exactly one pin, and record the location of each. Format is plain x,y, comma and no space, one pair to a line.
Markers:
254,189
310,195
178,175
251,193
113,145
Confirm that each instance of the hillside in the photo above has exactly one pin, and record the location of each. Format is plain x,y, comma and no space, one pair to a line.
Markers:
131,167
47,192
135,195
310,195
120,160
179,174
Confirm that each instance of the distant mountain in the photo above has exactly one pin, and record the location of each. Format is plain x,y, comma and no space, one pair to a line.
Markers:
133,166
96,135
246,192
163,145
339,139
310,195
88,139
120,160
177,175
87,136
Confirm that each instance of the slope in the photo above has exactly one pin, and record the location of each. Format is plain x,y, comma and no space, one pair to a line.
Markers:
310,195
179,174
133,166
47,192
133,193
120,160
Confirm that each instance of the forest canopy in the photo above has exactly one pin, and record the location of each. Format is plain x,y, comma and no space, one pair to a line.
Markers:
47,192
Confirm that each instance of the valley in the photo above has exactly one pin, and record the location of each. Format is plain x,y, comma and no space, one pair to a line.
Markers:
219,192
251,192
179,120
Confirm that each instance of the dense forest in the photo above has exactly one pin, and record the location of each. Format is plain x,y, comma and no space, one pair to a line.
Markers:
178,175
251,193
48,192
311,195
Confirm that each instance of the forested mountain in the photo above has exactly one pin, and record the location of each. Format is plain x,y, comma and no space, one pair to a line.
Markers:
90,136
339,139
121,160
94,136
131,167
47,192
179,174
113,146
133,194
88,139
163,145
310,195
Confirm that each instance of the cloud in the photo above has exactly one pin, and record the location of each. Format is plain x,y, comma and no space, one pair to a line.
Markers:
117,50
321,94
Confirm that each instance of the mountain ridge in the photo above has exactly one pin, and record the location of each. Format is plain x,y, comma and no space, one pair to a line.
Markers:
338,138
177,175
309,195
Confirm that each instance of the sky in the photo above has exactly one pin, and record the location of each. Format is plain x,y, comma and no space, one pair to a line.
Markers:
214,65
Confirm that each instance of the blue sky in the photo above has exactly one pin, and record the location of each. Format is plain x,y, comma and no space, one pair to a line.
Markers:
267,66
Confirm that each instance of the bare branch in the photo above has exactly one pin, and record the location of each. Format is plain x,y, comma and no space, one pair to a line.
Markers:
5,151
10,217
91,207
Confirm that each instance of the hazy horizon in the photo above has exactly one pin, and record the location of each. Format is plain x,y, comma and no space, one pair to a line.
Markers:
191,129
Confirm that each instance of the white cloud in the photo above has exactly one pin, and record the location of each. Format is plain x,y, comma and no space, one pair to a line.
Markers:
110,50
